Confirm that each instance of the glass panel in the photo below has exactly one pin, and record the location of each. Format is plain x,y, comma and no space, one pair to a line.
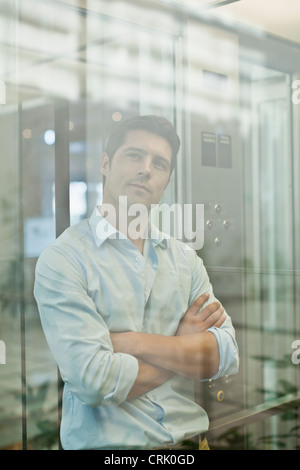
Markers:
70,78
216,181
39,230
250,226
72,70
269,244
11,283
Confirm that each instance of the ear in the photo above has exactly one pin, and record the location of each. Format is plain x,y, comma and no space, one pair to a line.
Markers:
105,164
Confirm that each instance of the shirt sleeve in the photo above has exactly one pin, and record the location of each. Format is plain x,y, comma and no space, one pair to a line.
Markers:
77,335
225,335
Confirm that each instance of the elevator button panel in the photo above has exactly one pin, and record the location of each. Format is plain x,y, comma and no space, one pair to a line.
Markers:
218,225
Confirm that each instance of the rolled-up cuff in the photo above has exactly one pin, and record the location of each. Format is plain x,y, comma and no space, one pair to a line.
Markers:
129,369
228,350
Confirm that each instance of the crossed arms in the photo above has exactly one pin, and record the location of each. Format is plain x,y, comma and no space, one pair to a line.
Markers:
193,352
84,349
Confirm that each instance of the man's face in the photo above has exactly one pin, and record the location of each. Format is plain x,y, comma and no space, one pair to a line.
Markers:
139,169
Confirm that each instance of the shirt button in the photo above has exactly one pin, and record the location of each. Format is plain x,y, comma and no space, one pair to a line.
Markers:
138,257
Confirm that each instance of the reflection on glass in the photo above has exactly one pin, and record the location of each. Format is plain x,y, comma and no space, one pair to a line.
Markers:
108,61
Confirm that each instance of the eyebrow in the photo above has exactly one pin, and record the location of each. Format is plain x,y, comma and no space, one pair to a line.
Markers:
144,152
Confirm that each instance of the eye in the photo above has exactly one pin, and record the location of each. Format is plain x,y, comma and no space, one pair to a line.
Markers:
134,155
161,164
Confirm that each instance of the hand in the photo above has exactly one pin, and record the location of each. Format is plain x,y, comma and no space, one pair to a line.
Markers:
195,321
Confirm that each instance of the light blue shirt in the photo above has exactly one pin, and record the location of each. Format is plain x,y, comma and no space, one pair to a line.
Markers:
90,282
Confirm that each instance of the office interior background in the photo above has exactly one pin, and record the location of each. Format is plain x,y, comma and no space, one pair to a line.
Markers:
227,73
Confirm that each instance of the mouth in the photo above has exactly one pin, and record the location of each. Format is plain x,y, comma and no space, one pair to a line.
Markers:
141,187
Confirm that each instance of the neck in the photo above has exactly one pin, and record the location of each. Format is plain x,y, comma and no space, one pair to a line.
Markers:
132,226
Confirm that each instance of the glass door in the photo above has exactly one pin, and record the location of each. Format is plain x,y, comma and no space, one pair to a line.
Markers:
269,246
12,366
68,75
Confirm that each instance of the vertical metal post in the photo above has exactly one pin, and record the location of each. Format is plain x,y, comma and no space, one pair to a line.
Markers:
21,286
62,167
62,192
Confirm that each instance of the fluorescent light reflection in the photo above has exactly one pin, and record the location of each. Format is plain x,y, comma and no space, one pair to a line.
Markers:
49,137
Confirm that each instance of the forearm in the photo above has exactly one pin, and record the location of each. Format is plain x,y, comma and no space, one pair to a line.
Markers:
148,378
195,356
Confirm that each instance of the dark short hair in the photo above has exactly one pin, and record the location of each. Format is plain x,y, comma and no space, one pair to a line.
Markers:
151,123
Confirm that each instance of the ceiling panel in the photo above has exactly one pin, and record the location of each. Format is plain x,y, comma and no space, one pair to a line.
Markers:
278,17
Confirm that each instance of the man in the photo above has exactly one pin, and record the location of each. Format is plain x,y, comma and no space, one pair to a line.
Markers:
130,315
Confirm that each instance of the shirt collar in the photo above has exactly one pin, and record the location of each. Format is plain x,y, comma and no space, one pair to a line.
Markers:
102,230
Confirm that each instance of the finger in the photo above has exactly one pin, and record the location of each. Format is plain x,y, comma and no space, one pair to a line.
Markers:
209,310
217,318
199,302
220,322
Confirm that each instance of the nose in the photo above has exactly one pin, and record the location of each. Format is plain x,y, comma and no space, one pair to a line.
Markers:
145,168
